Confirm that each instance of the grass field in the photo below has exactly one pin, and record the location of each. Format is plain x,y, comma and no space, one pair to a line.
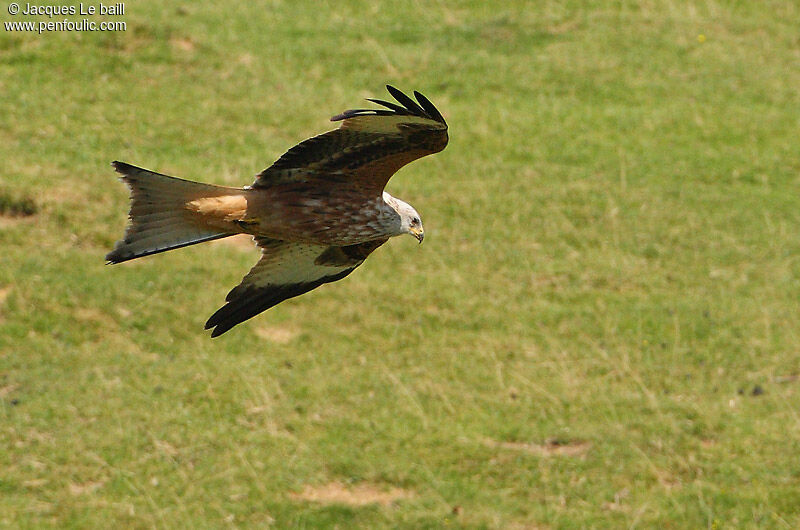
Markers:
602,328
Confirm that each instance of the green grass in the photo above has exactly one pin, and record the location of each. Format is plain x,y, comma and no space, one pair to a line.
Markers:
601,329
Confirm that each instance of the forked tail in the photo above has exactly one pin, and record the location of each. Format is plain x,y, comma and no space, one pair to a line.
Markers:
160,218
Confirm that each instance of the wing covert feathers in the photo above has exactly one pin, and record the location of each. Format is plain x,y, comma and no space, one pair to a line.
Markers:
368,147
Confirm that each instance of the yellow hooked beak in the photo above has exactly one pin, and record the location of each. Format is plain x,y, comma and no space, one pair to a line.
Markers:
419,233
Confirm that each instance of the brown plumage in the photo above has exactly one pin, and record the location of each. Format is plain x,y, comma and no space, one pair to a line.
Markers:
316,213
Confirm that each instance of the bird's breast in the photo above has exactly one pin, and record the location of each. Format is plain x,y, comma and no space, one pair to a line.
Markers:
314,216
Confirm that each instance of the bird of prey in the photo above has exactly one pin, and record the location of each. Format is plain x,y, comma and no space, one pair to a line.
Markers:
316,213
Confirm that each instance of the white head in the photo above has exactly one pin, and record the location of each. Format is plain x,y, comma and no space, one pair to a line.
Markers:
410,221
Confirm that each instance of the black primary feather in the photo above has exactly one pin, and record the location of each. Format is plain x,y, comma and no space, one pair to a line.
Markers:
432,111
407,107
406,101
393,106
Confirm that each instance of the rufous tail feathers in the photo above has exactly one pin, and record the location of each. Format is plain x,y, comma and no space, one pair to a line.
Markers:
168,213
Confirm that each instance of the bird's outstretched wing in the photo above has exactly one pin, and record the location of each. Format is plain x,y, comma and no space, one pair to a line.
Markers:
367,149
286,270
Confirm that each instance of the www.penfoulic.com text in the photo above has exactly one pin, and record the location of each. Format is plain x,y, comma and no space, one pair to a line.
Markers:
63,25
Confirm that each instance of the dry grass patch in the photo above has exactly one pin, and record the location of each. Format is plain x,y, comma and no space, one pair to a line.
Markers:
8,389
361,494
4,292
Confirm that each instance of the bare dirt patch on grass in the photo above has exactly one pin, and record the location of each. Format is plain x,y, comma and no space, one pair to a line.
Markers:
277,334
361,494
183,44
550,447
77,489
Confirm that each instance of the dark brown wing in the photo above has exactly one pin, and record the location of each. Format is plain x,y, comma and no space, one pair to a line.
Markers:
286,270
368,148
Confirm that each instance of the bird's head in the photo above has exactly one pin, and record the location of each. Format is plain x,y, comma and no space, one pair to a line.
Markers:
410,220
413,226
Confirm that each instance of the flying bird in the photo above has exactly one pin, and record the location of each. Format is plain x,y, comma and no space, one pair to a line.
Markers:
316,213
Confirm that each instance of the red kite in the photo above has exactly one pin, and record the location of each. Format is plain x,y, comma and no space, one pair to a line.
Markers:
316,213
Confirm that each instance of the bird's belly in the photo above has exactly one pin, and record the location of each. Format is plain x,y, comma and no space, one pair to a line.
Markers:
323,221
